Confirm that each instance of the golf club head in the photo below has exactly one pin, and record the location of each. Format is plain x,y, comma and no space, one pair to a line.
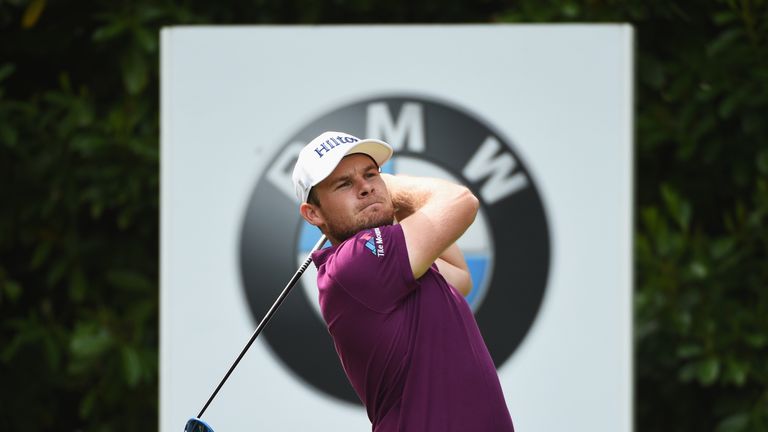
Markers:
197,425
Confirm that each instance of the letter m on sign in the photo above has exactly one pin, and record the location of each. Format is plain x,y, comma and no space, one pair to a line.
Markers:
405,131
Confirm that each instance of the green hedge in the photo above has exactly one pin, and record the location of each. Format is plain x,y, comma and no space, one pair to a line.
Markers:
79,220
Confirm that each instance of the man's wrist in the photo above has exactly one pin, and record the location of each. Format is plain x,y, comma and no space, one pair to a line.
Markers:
403,199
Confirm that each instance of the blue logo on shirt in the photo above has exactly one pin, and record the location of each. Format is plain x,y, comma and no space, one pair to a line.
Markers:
374,243
370,245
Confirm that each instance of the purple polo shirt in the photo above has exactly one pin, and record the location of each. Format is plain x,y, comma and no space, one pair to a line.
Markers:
410,348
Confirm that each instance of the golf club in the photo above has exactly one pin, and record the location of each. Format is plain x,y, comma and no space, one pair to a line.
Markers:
197,425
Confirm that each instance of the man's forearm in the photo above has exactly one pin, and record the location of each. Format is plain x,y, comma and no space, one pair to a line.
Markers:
409,194
454,269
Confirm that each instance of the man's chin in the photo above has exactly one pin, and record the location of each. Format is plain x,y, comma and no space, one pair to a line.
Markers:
371,223
377,219
376,223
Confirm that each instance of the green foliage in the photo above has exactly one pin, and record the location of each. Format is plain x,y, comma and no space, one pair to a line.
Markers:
78,227
79,222
701,243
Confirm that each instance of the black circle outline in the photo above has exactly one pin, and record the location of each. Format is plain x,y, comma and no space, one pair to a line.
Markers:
491,315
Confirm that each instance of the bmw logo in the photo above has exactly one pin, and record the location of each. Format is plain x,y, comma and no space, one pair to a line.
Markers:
507,248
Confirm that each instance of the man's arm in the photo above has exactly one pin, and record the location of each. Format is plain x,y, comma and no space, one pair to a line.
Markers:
433,214
454,269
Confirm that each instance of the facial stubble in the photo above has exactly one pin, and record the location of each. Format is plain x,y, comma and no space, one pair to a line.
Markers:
341,232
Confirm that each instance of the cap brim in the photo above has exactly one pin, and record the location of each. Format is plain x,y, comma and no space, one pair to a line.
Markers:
378,150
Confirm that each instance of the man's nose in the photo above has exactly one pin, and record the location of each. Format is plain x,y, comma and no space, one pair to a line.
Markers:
366,187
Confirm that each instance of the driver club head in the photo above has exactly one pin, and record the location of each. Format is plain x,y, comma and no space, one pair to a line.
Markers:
197,425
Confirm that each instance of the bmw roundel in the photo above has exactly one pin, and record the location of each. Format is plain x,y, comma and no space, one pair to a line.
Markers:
507,248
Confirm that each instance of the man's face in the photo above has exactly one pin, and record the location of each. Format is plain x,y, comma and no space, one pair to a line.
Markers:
354,197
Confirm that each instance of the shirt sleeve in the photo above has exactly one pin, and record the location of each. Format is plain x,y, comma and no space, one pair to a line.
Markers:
373,268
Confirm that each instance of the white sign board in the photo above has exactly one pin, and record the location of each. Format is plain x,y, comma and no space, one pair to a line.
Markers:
536,120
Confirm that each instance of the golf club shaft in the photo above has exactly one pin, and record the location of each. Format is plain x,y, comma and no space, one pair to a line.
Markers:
266,319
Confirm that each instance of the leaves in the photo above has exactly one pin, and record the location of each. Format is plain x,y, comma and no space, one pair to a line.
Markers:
679,209
89,340
132,368
79,162
135,72
32,13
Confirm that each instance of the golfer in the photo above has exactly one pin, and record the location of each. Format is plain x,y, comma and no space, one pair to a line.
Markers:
392,287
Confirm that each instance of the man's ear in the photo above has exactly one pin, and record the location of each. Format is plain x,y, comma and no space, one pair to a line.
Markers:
311,214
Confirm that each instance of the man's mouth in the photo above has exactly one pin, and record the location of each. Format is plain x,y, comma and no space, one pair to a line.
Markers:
368,206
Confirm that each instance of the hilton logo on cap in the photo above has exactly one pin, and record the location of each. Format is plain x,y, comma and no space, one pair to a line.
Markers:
507,248
333,142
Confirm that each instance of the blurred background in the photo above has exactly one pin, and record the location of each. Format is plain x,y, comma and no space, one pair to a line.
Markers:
79,222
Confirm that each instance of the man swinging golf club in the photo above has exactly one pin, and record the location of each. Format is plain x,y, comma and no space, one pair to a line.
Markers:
391,289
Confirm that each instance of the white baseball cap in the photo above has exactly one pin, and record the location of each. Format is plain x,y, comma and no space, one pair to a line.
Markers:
319,158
